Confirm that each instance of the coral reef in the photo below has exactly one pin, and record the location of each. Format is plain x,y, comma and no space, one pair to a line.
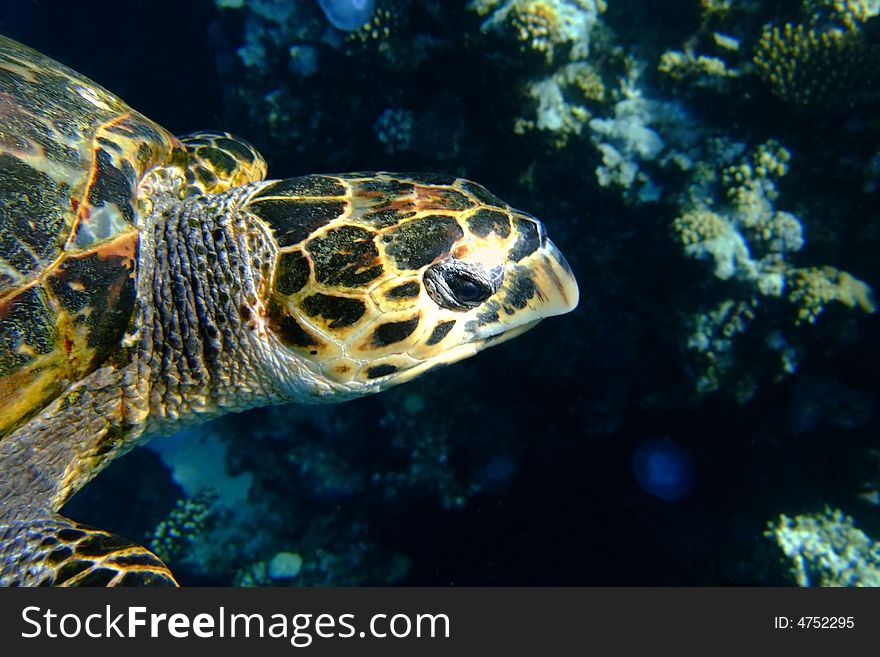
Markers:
815,68
559,32
849,13
630,138
184,525
827,549
742,234
811,289
543,26
730,219
827,62
554,113
703,69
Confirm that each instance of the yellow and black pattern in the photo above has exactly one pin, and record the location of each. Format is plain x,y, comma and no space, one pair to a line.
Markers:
72,157
58,552
364,285
219,161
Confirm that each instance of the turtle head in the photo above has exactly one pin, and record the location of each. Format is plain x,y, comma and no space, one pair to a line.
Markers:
388,276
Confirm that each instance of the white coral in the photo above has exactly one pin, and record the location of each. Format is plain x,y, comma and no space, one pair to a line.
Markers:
632,136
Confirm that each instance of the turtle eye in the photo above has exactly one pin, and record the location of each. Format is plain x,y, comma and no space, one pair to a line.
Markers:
458,286
467,291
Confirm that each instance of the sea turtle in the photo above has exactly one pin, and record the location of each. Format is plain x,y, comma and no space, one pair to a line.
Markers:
149,282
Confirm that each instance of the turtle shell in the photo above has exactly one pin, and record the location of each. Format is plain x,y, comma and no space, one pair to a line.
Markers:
72,157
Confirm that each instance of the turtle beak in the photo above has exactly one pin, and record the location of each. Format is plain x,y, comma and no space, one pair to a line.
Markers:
557,288
539,286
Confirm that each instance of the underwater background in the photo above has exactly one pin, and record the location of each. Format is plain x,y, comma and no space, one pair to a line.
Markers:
711,170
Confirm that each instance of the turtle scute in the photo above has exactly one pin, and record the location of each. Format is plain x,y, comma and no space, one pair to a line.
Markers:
219,161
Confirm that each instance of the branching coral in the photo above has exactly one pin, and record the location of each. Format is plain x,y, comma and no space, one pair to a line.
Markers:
811,66
712,338
182,527
729,218
850,13
706,233
706,71
543,26
811,289
711,57
570,88
585,79
750,239
827,549
536,26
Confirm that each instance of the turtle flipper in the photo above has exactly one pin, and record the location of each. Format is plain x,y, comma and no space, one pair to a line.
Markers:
54,551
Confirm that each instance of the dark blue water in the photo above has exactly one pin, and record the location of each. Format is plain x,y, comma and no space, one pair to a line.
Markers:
528,463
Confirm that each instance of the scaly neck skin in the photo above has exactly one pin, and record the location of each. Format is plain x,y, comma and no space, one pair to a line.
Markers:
191,353
203,348
198,349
